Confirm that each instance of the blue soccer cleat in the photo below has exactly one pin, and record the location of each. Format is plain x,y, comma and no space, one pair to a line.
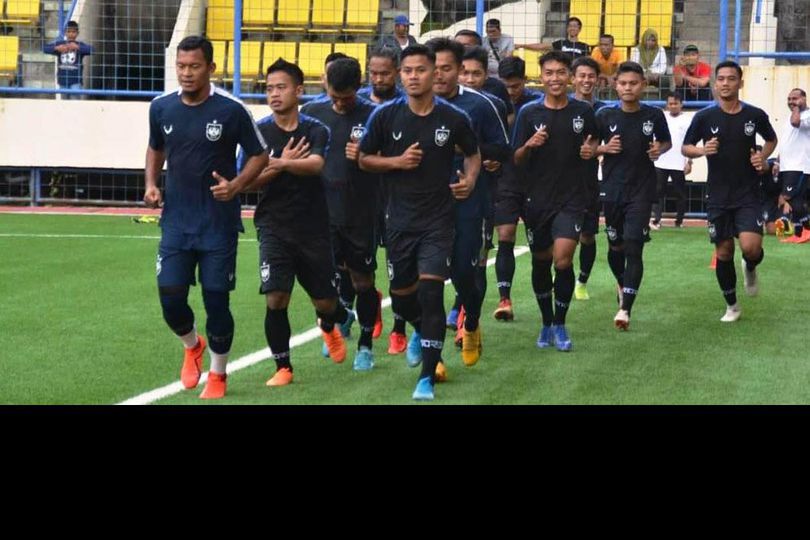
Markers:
346,328
363,360
561,339
413,354
424,390
452,319
546,337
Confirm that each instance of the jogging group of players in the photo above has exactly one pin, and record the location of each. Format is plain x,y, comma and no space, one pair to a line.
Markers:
431,169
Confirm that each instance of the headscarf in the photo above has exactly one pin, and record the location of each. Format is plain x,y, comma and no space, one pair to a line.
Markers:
647,56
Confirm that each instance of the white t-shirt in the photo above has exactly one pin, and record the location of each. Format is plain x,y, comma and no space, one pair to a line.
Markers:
794,145
672,159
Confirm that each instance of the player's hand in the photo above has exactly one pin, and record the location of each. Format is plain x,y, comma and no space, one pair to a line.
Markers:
490,165
757,161
352,151
152,197
614,145
274,167
587,150
223,191
712,147
654,151
298,151
462,189
539,138
775,168
411,158
687,169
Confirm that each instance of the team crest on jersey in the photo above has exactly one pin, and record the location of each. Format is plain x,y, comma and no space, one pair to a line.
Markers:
159,265
390,270
530,236
357,133
265,272
647,128
579,124
750,127
442,136
611,233
712,231
213,131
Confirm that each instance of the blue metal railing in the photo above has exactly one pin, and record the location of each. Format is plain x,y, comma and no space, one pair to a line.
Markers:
738,11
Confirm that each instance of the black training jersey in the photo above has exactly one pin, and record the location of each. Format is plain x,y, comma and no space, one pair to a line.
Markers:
592,181
197,141
497,88
554,173
420,199
350,193
510,179
290,203
630,174
574,48
732,179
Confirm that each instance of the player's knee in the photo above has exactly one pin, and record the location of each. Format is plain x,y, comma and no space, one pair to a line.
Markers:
633,249
325,305
278,300
362,282
405,305
176,311
219,322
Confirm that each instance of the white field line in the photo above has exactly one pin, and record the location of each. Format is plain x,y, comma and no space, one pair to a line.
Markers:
259,356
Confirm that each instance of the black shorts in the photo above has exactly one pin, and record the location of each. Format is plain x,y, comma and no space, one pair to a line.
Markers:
542,230
355,248
590,222
726,223
627,221
771,211
282,259
793,184
508,207
212,255
411,254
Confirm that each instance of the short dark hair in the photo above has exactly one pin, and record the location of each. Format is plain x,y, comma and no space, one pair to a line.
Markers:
607,36
444,44
470,33
478,54
674,95
556,56
289,68
728,64
192,43
574,19
493,22
385,52
72,24
417,50
512,67
331,57
630,67
586,61
800,91
344,74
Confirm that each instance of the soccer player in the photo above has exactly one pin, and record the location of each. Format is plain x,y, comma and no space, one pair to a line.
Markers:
412,142
586,77
493,142
292,220
634,136
351,195
794,162
553,139
470,39
672,164
197,129
728,130
511,191
382,74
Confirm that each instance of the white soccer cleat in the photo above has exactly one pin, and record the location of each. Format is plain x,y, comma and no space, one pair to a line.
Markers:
622,320
750,279
732,313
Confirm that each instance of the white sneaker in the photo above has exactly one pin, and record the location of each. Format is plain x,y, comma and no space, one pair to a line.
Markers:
732,313
750,279
622,320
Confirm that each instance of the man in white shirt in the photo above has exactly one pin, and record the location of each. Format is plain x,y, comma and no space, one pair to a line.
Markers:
672,164
794,162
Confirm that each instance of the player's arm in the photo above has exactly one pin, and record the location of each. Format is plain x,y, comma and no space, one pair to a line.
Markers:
244,181
467,178
154,165
534,46
526,138
690,148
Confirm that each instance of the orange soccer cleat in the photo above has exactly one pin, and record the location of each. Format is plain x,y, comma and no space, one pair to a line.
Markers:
378,324
282,377
215,386
192,364
335,344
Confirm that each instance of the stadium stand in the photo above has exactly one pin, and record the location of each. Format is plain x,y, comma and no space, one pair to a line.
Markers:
590,13
657,14
22,11
620,22
9,55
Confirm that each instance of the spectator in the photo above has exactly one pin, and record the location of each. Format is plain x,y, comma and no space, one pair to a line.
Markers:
69,53
692,77
651,56
570,44
400,38
497,45
608,58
